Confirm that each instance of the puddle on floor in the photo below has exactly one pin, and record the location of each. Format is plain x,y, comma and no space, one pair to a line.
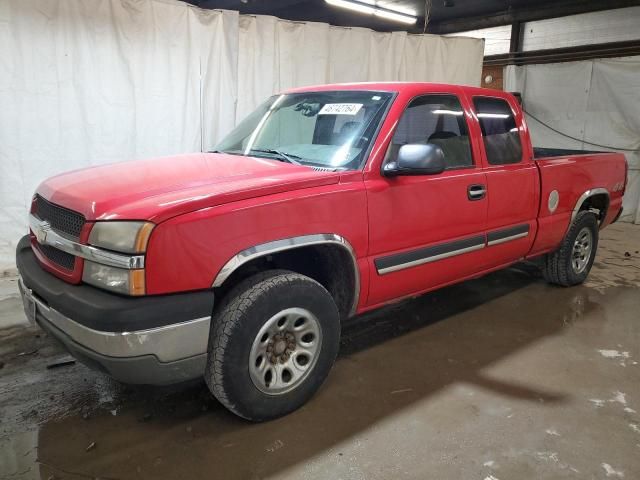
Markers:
471,340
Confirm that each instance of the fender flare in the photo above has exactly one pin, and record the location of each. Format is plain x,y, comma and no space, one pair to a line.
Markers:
276,246
585,196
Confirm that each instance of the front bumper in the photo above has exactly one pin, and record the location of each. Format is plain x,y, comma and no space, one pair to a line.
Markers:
147,340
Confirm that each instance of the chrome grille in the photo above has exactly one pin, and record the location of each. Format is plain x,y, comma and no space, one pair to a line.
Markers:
63,220
60,258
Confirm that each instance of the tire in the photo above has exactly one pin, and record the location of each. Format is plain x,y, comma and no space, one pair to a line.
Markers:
562,267
258,306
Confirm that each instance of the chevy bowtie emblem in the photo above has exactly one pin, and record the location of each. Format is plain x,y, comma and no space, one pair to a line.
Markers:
40,231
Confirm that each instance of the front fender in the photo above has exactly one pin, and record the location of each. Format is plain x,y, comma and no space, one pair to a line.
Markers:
199,250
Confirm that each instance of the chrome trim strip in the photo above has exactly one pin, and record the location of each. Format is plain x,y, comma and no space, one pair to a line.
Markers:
584,196
47,236
434,258
287,244
168,343
508,239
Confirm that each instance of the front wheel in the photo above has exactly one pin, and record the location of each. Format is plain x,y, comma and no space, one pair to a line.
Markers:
571,263
272,343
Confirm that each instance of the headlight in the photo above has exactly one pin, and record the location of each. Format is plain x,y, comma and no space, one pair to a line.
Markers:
128,282
125,237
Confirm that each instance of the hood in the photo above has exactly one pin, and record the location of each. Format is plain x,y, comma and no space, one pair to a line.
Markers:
157,189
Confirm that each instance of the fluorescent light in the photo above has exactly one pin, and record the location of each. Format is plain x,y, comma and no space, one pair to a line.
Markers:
352,6
393,7
369,7
398,17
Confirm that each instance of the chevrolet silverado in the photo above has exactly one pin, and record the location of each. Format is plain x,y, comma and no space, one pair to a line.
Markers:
240,264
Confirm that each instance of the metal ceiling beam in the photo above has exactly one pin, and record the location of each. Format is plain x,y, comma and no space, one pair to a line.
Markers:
560,8
566,54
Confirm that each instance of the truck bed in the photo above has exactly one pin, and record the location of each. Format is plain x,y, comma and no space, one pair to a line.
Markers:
541,152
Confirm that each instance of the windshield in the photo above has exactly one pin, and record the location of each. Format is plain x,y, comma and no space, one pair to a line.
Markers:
321,129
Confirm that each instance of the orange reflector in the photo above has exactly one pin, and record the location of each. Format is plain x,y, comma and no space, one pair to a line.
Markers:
143,237
136,282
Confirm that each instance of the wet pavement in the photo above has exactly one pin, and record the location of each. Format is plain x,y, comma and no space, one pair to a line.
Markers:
499,378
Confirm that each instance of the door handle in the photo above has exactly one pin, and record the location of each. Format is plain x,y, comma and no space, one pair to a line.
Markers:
476,192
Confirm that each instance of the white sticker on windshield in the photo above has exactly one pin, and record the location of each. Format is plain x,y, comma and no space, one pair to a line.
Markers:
340,109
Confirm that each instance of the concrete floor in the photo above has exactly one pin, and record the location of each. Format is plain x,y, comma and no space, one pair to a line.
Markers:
500,378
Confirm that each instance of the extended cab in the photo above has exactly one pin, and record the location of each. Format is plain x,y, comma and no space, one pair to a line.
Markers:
326,202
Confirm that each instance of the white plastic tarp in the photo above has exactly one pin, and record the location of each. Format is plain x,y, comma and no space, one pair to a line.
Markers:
91,82
277,54
596,101
86,82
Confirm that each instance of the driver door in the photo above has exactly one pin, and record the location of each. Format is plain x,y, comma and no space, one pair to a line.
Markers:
428,230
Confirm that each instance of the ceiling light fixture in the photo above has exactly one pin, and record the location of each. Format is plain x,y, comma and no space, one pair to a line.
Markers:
371,8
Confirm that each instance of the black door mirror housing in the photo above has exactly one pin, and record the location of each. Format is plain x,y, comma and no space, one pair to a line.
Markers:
416,159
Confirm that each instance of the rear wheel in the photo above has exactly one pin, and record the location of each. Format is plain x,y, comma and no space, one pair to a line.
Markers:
272,343
571,263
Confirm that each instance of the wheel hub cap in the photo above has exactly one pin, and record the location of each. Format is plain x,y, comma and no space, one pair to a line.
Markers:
281,347
284,351
581,253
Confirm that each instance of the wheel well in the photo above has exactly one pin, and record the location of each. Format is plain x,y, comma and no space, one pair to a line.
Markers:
330,265
598,203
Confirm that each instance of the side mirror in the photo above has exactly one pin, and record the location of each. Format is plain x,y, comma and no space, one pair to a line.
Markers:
416,159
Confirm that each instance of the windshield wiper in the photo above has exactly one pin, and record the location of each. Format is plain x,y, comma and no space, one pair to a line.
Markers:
225,152
287,157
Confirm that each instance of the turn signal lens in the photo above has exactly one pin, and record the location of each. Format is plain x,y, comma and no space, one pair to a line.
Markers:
142,238
136,282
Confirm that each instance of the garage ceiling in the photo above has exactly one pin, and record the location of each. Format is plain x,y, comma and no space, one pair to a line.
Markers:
446,16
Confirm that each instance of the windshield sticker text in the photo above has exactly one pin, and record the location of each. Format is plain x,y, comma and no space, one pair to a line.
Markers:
340,109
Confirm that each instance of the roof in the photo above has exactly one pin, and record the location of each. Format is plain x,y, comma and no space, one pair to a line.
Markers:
401,87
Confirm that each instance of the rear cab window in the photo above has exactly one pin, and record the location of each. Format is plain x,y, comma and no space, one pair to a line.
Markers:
439,120
499,130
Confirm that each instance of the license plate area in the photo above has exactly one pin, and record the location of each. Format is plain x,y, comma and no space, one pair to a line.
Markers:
29,305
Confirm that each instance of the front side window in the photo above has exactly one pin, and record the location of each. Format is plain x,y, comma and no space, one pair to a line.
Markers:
323,129
435,119
499,131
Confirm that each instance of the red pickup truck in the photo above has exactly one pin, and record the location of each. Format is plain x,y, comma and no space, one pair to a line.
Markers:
326,202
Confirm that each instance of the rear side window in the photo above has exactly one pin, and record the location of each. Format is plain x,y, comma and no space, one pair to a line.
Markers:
499,131
435,119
